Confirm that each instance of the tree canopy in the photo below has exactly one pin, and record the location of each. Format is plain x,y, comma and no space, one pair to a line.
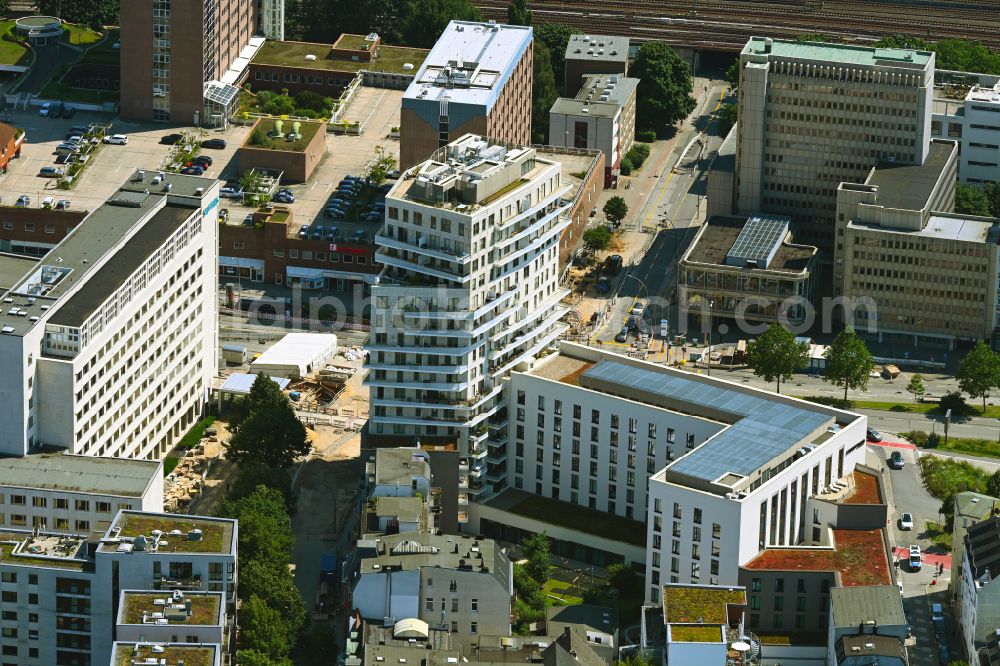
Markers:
992,192
971,200
727,117
266,428
916,386
379,169
664,91
848,362
775,355
965,55
95,13
979,372
424,20
537,551
556,37
543,93
262,629
518,13
251,657
732,75
265,527
615,209
597,238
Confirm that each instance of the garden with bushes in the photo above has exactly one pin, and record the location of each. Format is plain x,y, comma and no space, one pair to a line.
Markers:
305,104
634,158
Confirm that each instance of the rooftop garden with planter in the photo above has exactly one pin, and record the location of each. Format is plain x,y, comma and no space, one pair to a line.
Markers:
865,490
858,555
293,54
696,633
286,135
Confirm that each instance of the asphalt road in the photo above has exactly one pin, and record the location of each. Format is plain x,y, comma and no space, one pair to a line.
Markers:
909,495
671,214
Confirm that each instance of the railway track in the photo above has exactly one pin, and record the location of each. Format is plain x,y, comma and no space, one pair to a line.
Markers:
727,24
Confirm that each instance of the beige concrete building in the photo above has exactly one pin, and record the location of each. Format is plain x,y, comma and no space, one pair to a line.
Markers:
600,117
814,115
476,80
172,50
929,273
749,269
593,54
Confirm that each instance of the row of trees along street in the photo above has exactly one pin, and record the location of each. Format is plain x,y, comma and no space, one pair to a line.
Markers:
267,439
775,356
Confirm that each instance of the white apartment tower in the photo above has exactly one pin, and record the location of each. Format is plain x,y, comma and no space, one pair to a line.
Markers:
469,290
109,342
813,115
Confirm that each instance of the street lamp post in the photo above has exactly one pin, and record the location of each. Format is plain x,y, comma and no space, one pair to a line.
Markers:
711,304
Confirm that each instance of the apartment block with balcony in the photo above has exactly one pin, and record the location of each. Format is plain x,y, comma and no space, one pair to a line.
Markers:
910,269
110,340
64,594
814,115
469,290
173,617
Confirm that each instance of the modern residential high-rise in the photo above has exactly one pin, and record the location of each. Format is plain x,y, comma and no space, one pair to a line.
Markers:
469,290
109,341
184,60
814,115
477,79
970,115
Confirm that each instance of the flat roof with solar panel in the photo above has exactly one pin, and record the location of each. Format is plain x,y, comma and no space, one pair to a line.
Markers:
759,241
759,429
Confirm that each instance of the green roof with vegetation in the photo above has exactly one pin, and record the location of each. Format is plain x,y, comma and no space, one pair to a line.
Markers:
127,654
216,535
260,137
703,605
293,54
696,633
204,607
352,42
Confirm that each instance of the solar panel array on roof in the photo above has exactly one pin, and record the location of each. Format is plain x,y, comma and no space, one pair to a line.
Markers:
762,429
759,241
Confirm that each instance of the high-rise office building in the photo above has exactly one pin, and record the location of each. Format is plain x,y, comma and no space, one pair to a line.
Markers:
477,79
469,289
814,115
183,60
109,341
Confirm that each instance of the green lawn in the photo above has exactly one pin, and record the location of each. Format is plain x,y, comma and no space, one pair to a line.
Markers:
103,53
61,91
559,591
169,463
978,447
11,53
79,35
992,411
938,536
293,54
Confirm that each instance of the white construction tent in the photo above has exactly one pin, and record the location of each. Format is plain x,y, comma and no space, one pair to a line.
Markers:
297,355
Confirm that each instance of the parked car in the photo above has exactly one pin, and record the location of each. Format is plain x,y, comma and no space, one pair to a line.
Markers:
63,204
171,139
392,173
69,112
385,187
603,285
79,129
217,144
193,170
874,435
285,190
50,172
937,613
303,231
48,202
23,201
622,335
45,109
283,198
373,216
915,558
117,139
248,220
613,264
335,213
223,215
360,235
906,521
317,232
203,160
74,137
943,657
331,233
230,193
896,460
